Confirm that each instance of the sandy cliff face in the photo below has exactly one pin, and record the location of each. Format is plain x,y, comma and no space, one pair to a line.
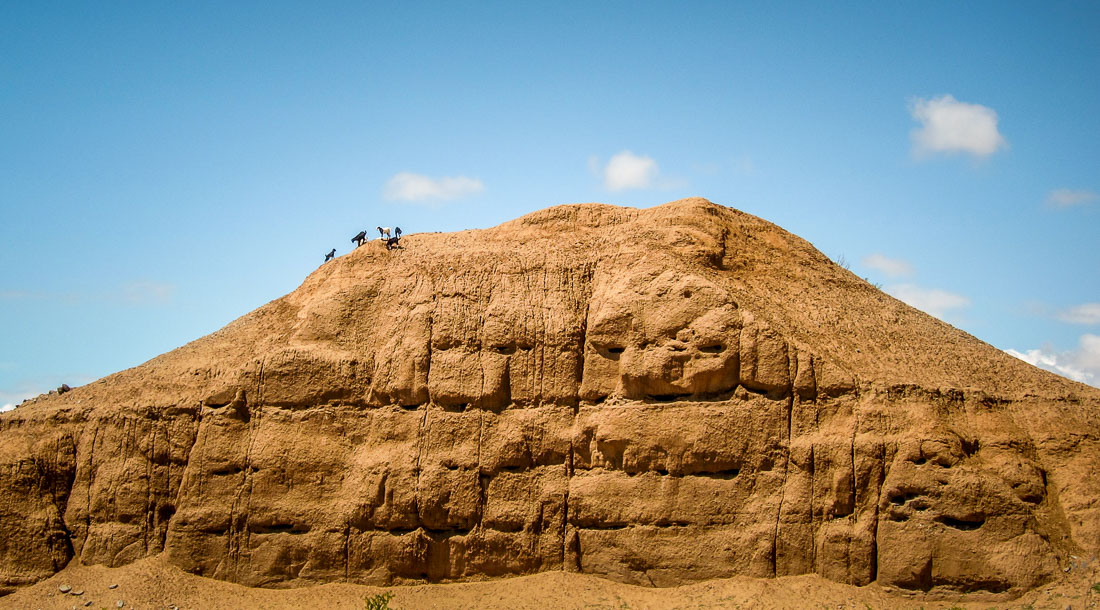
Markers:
658,396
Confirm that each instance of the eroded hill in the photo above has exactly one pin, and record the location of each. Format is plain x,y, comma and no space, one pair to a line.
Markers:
657,396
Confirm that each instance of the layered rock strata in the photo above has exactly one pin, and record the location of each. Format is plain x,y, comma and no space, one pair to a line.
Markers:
657,396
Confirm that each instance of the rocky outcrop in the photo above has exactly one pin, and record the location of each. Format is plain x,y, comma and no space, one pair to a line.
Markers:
656,396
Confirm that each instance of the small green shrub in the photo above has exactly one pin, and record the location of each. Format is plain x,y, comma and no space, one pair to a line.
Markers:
380,601
1096,587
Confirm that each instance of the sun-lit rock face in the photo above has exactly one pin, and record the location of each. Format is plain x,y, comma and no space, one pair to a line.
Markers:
657,396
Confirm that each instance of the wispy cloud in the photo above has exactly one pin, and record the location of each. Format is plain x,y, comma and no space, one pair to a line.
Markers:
1087,313
932,301
893,267
1068,198
407,186
29,387
950,126
627,170
1081,364
136,293
11,399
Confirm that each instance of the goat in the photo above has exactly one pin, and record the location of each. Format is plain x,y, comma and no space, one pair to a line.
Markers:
359,238
393,243
383,232
330,255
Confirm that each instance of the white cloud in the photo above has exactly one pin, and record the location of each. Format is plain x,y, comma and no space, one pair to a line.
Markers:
1067,198
629,171
1088,313
131,293
12,399
893,267
932,301
407,186
951,126
1081,364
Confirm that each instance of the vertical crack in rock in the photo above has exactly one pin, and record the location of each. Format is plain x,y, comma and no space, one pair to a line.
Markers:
91,480
565,542
483,492
150,497
347,551
856,510
811,517
878,502
782,487
60,478
239,533
423,430
260,384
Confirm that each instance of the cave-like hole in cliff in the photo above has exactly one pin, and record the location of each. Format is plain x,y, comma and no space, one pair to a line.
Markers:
666,397
716,348
967,524
725,475
278,528
992,585
755,390
165,512
903,497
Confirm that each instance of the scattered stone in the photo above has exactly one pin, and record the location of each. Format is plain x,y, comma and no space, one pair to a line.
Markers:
87,603
78,592
112,586
64,388
64,588
120,604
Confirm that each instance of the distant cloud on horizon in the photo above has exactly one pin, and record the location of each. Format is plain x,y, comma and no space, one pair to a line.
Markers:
7,407
416,188
1086,313
932,301
1081,364
893,267
1068,198
136,293
950,126
627,170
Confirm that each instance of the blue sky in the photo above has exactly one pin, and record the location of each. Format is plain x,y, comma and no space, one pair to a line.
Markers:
168,167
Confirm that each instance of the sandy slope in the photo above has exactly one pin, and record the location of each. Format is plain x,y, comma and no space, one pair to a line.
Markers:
152,583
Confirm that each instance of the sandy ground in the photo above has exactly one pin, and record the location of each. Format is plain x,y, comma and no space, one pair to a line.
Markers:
150,583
